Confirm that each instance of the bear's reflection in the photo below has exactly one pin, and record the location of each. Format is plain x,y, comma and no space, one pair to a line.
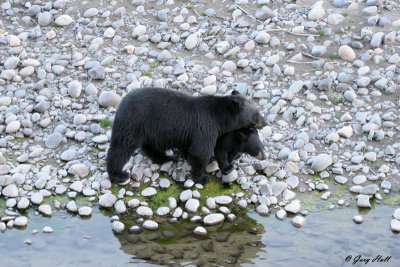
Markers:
229,243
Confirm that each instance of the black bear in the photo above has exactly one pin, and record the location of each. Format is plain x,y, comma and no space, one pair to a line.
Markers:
230,145
157,119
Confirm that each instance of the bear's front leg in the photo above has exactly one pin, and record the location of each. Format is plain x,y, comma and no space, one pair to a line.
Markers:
199,155
223,162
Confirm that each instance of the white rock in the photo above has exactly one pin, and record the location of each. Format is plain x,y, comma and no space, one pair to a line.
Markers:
191,41
223,200
185,195
345,52
108,99
262,209
161,211
298,221
107,200
213,218
396,214
199,230
37,198
23,203
346,131
192,205
230,177
317,12
363,201
149,191
281,214
64,20
144,211
150,225
71,206
10,190
85,211
21,221
395,225
47,230
117,227
358,219
77,186
13,127
293,207
321,162
45,209
79,169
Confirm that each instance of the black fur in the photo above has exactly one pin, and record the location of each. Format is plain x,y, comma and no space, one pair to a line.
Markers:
230,145
157,119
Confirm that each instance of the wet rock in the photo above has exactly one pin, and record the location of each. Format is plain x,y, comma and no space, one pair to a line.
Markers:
117,227
199,230
150,225
298,221
214,218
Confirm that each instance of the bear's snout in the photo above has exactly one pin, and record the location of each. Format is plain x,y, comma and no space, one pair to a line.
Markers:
260,155
261,123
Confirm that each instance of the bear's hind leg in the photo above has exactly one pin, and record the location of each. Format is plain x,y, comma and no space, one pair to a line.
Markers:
116,159
156,156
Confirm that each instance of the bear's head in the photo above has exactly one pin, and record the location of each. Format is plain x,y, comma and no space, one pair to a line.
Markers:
246,111
250,143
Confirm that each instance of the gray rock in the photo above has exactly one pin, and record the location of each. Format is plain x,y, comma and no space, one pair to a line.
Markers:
377,39
53,140
263,13
97,73
321,162
164,183
44,18
108,99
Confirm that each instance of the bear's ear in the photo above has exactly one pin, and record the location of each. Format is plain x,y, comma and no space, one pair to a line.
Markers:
234,92
235,106
242,137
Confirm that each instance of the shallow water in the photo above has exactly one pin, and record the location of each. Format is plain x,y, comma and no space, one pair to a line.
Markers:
326,240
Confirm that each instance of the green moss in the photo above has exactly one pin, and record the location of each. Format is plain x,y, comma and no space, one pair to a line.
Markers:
155,64
147,73
321,32
345,14
393,201
215,188
105,123
333,55
161,198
